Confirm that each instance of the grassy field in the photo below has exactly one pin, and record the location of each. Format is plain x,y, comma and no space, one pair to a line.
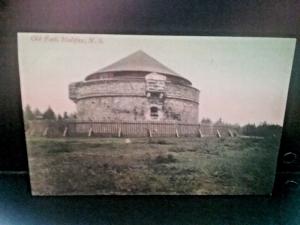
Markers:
152,166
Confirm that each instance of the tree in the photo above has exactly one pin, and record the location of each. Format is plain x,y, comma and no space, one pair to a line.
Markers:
37,114
59,117
49,114
66,116
249,129
206,121
268,130
73,116
28,114
219,122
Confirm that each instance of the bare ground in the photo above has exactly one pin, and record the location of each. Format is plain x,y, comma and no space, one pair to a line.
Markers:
88,166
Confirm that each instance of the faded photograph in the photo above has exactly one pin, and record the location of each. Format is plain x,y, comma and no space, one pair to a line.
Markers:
130,114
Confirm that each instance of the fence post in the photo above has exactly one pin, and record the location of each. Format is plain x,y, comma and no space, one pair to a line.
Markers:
218,134
177,134
230,133
119,132
90,132
200,133
150,132
45,133
65,132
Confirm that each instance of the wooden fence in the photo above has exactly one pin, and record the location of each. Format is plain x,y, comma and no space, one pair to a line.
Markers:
126,129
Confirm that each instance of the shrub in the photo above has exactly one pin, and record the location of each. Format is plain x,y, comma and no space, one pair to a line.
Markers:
176,149
165,159
159,142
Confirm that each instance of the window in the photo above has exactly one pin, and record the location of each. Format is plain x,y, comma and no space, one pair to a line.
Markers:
154,112
155,95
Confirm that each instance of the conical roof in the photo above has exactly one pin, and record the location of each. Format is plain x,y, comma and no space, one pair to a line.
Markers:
138,61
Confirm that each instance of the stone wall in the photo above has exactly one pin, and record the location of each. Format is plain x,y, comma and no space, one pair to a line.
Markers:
127,100
181,110
112,109
128,87
182,92
107,88
134,109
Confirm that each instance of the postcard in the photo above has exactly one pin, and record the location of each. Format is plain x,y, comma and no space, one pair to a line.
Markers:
146,114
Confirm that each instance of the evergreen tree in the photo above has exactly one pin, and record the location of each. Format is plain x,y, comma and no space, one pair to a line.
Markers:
59,117
66,116
49,114
219,122
37,114
206,121
73,116
28,114
249,129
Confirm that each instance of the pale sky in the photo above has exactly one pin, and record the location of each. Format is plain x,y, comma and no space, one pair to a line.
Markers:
241,80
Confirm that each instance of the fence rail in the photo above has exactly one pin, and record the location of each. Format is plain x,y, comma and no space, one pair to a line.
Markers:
126,129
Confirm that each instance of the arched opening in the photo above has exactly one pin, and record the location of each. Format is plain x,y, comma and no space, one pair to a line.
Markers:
154,112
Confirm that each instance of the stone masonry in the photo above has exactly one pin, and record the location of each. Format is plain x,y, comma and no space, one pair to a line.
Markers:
136,88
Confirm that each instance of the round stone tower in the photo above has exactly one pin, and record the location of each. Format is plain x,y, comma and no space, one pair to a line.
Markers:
135,88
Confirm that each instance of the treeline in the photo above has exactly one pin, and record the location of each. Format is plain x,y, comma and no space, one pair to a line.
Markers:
49,114
219,122
263,129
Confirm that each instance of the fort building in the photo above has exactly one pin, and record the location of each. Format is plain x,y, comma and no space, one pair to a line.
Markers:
135,88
